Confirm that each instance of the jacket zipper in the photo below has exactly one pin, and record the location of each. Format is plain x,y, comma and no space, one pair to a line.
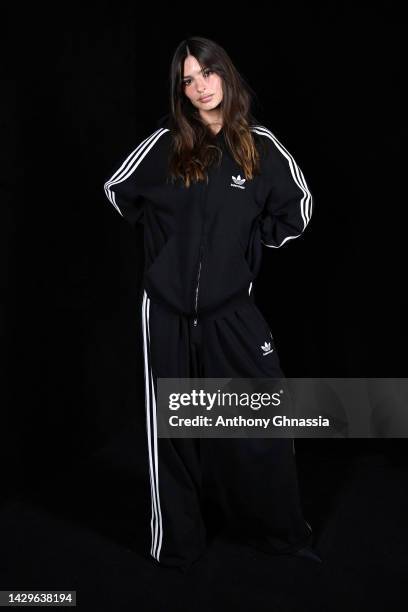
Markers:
195,322
197,286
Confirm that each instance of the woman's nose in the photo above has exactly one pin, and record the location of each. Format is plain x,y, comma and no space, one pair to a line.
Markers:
200,85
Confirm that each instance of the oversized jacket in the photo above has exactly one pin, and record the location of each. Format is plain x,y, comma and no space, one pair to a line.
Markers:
203,244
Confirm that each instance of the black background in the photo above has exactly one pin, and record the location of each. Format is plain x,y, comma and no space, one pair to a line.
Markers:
81,86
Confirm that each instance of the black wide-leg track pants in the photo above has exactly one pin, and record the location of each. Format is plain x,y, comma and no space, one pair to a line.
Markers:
254,480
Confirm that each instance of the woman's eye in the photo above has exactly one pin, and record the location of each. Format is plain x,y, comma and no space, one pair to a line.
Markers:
206,73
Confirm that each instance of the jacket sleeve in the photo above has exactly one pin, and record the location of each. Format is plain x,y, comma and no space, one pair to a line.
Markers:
125,189
288,203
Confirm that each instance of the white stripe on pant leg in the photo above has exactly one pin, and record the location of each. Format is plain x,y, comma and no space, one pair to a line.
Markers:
153,522
156,458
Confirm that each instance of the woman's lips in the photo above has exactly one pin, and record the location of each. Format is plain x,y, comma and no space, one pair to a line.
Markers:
206,99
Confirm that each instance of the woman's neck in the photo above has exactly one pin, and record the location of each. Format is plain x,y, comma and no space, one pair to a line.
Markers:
213,119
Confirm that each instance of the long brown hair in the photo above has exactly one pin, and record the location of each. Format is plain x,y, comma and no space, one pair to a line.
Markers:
193,144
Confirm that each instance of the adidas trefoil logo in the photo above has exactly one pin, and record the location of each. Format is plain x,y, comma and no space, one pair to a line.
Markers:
266,348
238,181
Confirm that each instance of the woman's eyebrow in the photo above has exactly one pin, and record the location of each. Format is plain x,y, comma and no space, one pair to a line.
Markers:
189,76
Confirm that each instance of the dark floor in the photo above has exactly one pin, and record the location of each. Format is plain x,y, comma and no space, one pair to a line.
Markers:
81,530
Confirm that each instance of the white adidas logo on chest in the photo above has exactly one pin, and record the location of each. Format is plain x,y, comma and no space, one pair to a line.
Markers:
238,182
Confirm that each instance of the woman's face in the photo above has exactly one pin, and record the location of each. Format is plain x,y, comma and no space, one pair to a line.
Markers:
197,84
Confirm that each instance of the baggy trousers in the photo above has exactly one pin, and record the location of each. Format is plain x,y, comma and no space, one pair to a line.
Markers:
254,480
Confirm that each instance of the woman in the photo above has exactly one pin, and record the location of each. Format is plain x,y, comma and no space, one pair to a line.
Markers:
211,186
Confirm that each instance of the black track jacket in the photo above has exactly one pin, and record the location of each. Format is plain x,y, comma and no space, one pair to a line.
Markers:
203,244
